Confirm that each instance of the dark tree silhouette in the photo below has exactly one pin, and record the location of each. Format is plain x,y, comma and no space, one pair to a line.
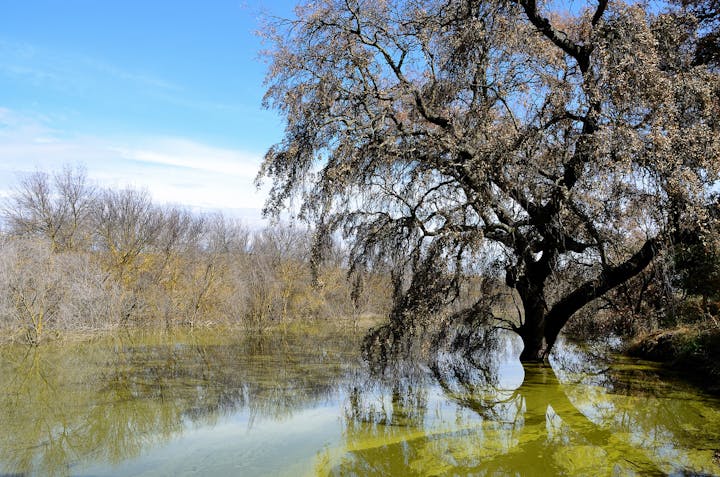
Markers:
433,133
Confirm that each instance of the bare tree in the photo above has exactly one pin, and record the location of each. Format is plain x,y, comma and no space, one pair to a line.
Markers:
31,286
430,132
53,207
77,257
42,290
125,224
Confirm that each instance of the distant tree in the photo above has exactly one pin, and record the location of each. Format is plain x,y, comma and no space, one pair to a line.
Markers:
125,224
432,132
54,207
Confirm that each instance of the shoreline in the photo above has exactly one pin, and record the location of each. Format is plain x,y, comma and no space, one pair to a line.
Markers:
692,351
19,336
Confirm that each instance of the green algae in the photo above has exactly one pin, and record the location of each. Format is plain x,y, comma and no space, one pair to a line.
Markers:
301,402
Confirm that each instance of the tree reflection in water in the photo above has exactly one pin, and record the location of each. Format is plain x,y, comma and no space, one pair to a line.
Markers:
109,401
67,408
470,417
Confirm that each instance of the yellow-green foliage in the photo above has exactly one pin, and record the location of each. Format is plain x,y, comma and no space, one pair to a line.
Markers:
120,259
42,289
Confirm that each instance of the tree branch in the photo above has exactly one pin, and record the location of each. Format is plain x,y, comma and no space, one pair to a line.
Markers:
602,6
558,37
608,279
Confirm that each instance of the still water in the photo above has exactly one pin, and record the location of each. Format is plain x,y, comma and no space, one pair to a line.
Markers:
301,402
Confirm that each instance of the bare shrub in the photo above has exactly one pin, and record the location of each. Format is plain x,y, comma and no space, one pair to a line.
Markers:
43,291
76,257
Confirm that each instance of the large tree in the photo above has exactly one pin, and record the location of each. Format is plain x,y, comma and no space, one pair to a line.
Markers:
434,133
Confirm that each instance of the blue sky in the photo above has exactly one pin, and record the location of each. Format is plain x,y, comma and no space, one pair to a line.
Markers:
157,94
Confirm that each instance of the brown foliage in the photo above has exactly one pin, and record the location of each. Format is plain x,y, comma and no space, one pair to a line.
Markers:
431,133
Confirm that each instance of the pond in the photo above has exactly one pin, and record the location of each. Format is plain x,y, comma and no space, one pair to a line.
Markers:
301,402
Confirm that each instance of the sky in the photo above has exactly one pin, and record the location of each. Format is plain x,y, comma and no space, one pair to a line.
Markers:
162,95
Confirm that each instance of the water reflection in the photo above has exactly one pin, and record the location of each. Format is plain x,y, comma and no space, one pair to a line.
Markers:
498,418
110,401
218,402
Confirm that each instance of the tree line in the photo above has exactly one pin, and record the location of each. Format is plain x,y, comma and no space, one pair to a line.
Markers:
76,256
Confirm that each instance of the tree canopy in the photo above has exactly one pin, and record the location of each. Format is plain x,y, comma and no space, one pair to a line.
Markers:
565,148
707,14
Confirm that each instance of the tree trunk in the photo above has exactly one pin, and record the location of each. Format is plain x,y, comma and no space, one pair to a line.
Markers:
535,347
538,339
532,330
541,326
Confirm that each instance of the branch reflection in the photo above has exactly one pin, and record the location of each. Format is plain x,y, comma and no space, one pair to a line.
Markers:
496,417
108,401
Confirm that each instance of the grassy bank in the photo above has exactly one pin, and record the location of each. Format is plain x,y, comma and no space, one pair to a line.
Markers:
693,350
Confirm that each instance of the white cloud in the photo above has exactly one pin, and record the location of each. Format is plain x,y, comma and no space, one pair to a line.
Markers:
174,170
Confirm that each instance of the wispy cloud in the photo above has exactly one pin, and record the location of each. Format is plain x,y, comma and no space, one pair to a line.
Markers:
174,170
133,77
183,153
70,71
